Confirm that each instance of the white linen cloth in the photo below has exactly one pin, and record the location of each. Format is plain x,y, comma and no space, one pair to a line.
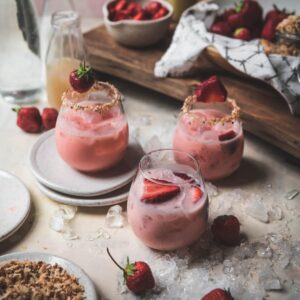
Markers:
191,37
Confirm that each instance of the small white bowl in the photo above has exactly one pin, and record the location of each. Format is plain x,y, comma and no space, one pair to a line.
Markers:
138,33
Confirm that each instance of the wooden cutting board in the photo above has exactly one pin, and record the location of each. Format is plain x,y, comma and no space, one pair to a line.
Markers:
264,112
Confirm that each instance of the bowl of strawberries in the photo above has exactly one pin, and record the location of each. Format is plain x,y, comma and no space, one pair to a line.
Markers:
137,23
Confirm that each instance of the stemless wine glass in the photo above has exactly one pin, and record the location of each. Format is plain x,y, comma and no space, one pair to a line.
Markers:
213,137
92,129
168,204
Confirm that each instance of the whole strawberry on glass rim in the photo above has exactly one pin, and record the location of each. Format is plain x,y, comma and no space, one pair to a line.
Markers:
215,138
82,79
138,275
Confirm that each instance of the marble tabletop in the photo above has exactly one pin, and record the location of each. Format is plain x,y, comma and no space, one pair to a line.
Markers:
257,193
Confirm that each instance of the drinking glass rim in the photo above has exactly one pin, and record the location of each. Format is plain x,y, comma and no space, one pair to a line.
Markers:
65,18
173,150
112,92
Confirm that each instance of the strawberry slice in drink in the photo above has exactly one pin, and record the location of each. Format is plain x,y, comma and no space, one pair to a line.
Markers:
211,90
157,193
196,193
228,135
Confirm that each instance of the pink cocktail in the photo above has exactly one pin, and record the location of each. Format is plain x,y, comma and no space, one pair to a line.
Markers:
92,129
168,204
217,146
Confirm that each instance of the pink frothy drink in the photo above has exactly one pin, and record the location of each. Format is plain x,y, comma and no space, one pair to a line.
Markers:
168,204
92,130
217,146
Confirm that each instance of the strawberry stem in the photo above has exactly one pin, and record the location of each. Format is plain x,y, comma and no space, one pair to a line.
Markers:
16,109
115,261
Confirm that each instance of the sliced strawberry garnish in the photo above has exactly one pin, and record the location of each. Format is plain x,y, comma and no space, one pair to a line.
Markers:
157,193
211,90
196,193
183,176
228,135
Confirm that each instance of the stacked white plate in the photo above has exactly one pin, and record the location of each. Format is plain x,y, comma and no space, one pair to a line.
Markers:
63,184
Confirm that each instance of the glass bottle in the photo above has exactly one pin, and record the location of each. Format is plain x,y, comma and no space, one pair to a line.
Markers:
20,72
65,52
180,6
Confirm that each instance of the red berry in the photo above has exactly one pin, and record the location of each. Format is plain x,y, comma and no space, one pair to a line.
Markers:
81,79
211,90
29,119
226,229
160,13
242,34
139,16
49,117
153,7
196,193
138,275
121,5
218,294
221,27
156,193
134,8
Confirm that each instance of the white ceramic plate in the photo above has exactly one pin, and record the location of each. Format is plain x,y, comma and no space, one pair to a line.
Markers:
50,170
111,198
14,204
89,289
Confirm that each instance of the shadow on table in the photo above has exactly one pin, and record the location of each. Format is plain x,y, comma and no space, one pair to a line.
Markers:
250,171
19,235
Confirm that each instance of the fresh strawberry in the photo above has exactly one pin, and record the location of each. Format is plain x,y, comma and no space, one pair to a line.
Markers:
134,8
278,14
139,16
138,275
160,13
121,5
29,119
227,13
81,79
153,7
226,229
269,30
228,135
221,27
248,14
49,117
242,34
156,193
122,15
196,193
211,90
218,294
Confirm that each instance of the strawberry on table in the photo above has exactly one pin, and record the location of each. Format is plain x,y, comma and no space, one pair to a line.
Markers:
156,193
242,34
221,28
29,119
218,294
211,90
138,275
226,229
82,78
49,117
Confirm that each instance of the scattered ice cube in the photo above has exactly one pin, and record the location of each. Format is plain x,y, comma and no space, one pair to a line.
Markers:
114,217
70,235
57,221
69,212
100,232
264,252
272,284
256,209
212,190
274,238
292,194
276,213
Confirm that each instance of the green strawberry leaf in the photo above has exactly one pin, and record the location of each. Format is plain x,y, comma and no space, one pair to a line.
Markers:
130,268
